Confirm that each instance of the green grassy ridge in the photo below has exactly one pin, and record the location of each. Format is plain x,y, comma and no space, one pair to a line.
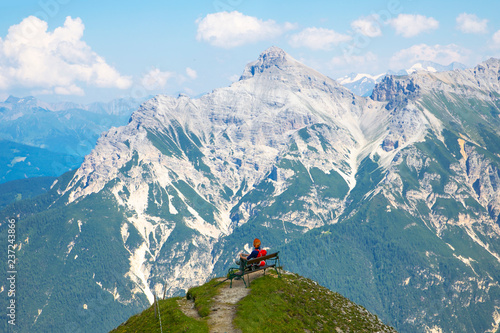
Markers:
203,296
297,304
172,320
288,304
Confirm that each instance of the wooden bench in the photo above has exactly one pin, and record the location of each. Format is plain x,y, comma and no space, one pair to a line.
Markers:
251,266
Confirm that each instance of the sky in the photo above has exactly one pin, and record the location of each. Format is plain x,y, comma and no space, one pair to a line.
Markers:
87,51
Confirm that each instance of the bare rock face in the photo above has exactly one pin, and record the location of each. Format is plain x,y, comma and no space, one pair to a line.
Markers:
389,145
272,57
484,178
488,74
416,99
399,90
395,90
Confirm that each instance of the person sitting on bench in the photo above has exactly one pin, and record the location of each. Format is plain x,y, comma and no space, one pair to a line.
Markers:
245,256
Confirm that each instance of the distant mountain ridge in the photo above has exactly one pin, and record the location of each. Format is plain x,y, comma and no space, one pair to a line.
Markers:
114,107
48,139
392,199
363,84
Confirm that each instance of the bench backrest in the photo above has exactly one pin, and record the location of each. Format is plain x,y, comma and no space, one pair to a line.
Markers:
259,259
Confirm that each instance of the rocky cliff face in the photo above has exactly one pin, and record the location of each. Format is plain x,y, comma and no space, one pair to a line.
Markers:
407,179
465,102
470,82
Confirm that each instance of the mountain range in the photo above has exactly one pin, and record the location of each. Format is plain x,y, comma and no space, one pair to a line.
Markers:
43,139
392,201
363,84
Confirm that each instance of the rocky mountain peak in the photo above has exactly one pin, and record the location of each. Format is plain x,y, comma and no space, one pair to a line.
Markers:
274,54
269,61
491,63
489,69
395,89
19,103
11,99
24,100
276,66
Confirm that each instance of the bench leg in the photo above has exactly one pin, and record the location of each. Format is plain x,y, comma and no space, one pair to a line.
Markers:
243,278
278,270
278,264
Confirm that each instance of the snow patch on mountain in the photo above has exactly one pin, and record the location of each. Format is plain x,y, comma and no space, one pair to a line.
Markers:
354,77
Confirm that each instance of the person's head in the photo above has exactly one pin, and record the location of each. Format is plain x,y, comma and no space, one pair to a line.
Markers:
256,243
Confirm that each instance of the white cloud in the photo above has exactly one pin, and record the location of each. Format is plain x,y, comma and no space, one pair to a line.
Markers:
69,90
496,40
471,24
368,26
3,79
409,25
32,57
191,73
358,60
317,38
156,79
357,63
441,54
231,29
234,78
188,91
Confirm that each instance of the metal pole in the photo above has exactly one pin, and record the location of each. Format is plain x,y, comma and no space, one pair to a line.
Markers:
165,290
159,316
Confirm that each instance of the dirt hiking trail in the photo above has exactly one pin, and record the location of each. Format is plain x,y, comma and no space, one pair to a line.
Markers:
224,306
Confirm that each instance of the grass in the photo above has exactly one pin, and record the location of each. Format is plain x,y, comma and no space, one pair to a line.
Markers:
203,295
297,304
288,304
172,320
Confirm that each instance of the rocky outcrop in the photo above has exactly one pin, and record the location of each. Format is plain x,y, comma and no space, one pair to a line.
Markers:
484,178
396,90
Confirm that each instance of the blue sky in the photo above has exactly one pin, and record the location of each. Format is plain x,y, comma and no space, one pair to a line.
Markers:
88,51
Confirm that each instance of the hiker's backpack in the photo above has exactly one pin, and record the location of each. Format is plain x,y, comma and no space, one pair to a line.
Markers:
261,254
